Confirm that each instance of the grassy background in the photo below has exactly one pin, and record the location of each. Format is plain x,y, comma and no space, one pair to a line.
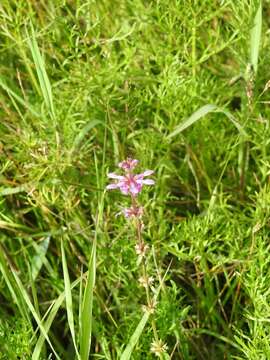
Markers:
114,79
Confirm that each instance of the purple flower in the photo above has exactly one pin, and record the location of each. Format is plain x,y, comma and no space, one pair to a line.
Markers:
130,183
129,164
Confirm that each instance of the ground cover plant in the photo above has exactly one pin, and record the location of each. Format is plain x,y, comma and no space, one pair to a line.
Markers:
178,269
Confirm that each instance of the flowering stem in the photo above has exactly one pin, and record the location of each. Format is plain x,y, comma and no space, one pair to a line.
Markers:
139,226
131,184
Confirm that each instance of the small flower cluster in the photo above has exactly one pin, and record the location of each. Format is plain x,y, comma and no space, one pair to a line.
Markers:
129,183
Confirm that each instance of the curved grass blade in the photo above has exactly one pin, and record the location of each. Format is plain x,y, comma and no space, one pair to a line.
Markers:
68,297
30,306
199,114
9,279
79,138
135,337
49,316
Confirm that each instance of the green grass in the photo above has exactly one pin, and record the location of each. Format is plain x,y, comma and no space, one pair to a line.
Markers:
179,85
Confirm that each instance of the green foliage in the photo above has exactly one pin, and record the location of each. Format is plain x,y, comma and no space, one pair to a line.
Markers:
15,339
180,85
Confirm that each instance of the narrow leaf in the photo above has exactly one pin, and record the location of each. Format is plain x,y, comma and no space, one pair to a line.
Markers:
86,316
199,114
39,259
68,296
19,99
30,306
81,135
44,82
255,38
87,307
50,315
135,337
7,275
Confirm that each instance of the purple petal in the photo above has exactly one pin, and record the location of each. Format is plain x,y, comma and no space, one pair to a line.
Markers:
138,177
148,172
115,176
148,182
134,163
124,189
135,188
112,186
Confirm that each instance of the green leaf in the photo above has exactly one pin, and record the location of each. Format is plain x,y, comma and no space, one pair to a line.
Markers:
39,259
68,297
30,306
20,100
43,78
199,114
79,138
50,315
87,307
135,337
255,38
9,279
86,317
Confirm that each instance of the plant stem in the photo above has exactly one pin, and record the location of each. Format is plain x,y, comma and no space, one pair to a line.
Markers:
139,226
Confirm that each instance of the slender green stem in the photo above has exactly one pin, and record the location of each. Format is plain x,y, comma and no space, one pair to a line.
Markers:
139,226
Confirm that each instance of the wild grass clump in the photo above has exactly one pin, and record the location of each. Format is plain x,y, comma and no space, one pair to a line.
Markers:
182,271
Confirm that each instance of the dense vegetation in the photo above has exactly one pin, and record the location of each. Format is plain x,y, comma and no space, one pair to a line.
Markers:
180,85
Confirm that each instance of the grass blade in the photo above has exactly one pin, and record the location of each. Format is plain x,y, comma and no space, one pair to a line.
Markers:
68,297
81,135
87,306
135,337
7,275
85,317
51,313
44,82
20,100
33,311
255,38
39,259
199,114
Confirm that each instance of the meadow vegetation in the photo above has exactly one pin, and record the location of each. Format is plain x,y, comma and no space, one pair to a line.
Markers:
182,86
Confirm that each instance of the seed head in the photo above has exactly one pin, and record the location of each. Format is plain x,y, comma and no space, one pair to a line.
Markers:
158,347
146,281
151,307
141,249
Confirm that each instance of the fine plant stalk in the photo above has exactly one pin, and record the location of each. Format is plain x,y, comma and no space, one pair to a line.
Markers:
131,184
139,227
